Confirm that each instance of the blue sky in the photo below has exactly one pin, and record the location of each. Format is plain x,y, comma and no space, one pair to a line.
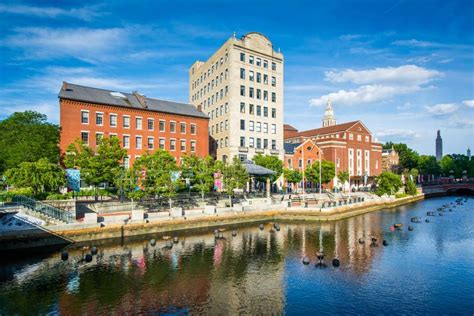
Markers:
404,67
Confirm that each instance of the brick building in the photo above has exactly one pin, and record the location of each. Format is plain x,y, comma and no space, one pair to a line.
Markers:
350,146
298,156
142,124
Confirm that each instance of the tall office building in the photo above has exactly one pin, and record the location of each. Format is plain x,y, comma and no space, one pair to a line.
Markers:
240,87
439,146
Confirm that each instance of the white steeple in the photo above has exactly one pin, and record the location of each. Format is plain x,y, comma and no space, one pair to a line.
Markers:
329,119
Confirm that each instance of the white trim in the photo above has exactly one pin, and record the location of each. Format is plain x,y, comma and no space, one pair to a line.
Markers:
174,132
159,143
123,121
136,125
164,121
147,120
185,127
123,142
88,136
116,120
88,117
141,137
195,128
148,143
191,147
180,145
174,144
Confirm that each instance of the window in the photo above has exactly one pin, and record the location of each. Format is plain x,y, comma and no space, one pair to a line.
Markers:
226,141
274,144
151,143
98,138
274,129
172,144
300,163
182,128
359,138
251,95
258,62
162,143
259,77
259,110
138,122
265,95
274,66
274,82
274,98
222,126
172,127
251,142
138,142
259,127
242,73
265,63
183,145
259,94
251,75
351,136
242,125
242,141
242,107
151,124
265,143
265,128
226,107
265,111
242,91
274,113
85,117
242,57
126,121
193,129
126,141
162,125
193,146
99,118
367,138
251,109
251,60
113,120
259,143
265,79
251,126
126,162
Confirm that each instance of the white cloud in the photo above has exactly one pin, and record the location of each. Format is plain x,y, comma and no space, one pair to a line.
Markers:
414,43
363,94
469,103
405,75
84,13
397,135
441,109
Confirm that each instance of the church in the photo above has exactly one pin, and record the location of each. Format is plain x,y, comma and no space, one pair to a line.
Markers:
350,146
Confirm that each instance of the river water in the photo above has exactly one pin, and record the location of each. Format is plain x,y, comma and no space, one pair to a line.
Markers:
429,270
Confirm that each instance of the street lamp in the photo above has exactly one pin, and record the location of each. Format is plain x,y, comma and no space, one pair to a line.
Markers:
302,155
320,153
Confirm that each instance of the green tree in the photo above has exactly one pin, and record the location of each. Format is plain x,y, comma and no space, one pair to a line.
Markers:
234,177
428,165
327,172
27,137
410,187
343,176
200,171
270,162
408,157
155,174
388,183
41,176
100,166
446,164
292,175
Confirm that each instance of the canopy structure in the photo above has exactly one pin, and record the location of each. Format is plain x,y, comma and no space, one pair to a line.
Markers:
256,170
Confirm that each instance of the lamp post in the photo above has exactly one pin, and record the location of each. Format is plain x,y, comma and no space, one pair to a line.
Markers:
320,178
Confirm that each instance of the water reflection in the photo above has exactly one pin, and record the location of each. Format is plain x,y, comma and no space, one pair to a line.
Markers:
255,272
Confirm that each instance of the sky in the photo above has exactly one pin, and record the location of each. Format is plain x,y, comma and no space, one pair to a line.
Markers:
403,67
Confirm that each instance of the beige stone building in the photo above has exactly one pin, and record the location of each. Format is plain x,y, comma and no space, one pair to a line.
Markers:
240,87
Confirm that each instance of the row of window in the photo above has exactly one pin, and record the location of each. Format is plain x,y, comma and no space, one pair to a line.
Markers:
139,142
258,143
258,112
345,136
218,96
257,126
207,89
210,70
223,126
258,61
258,78
99,121
258,95
223,109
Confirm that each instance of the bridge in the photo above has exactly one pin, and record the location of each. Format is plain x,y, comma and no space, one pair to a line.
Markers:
448,188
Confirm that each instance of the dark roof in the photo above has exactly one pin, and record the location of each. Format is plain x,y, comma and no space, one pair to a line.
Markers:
327,130
288,127
256,170
101,96
290,148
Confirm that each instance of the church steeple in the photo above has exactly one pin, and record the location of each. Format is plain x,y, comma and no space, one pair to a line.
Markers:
329,119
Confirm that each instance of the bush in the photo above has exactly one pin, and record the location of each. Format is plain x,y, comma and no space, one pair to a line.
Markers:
57,196
410,188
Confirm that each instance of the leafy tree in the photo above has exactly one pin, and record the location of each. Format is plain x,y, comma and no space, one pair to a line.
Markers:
428,165
154,173
410,187
343,176
234,176
103,165
270,162
41,176
327,171
388,183
27,137
408,157
446,165
292,175
200,171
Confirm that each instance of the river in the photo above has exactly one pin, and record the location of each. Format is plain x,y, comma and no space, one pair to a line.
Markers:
429,270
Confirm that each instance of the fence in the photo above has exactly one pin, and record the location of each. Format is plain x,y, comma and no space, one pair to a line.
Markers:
44,209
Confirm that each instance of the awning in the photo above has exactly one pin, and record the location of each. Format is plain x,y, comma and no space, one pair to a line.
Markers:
256,170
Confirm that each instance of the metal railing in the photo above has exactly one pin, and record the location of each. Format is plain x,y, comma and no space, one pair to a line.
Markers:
44,208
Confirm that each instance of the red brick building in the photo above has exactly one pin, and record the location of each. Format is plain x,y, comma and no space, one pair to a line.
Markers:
350,146
142,124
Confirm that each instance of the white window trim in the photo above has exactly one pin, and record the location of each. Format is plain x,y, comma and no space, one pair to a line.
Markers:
150,119
136,136
116,120
98,133
174,132
88,117
123,143
185,127
195,129
88,136
174,144
180,143
191,147
136,127
97,112
164,130
129,123
159,143
152,143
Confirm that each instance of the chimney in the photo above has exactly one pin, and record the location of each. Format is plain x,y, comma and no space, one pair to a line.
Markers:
141,99
64,86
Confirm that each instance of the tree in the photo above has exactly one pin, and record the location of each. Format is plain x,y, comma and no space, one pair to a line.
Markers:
41,176
292,175
270,162
234,177
200,171
446,164
156,174
100,166
410,187
388,183
407,156
27,137
428,165
343,176
327,172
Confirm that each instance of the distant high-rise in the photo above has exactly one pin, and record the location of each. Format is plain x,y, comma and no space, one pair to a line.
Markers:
439,146
468,153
